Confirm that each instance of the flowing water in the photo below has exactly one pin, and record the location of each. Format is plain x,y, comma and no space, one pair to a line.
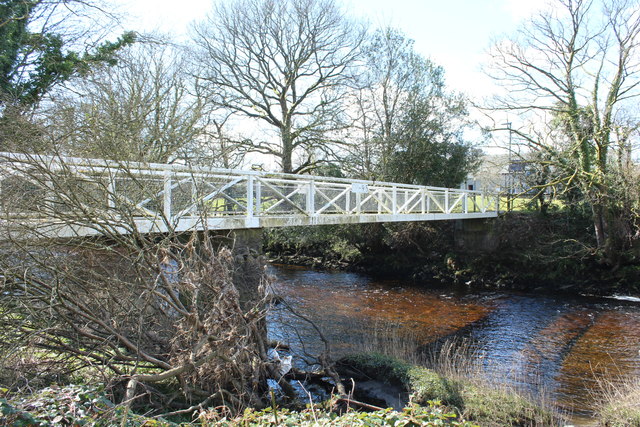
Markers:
554,343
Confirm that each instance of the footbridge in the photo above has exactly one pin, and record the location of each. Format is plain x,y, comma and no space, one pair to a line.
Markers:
67,196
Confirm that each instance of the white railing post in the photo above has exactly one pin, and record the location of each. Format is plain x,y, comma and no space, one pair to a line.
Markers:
111,192
394,200
311,198
347,202
166,200
406,199
258,186
465,202
447,209
423,200
250,197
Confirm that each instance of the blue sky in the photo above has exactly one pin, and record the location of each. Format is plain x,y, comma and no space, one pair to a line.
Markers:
453,33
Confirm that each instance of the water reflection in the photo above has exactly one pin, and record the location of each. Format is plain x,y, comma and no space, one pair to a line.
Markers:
559,343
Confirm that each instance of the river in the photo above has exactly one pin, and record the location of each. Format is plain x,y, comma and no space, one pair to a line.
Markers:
557,344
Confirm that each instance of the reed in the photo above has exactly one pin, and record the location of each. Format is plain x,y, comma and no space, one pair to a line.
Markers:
454,371
618,401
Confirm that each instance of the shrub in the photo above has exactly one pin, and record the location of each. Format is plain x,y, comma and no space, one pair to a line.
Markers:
414,415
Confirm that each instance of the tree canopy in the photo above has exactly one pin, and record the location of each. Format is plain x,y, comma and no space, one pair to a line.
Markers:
411,126
284,63
36,52
572,75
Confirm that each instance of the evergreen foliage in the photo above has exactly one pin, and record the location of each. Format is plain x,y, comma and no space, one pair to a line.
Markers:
32,62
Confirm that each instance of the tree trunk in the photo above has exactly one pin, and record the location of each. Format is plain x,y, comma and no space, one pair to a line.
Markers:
598,224
287,151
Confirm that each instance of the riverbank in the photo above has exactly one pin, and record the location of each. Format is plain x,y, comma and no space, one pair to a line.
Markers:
432,399
521,251
81,405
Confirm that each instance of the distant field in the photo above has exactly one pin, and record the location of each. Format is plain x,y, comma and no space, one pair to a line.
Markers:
526,203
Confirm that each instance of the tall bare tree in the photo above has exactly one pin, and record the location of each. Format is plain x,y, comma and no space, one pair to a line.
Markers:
285,63
142,109
573,73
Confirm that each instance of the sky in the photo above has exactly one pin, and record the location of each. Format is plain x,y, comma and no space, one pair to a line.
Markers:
453,33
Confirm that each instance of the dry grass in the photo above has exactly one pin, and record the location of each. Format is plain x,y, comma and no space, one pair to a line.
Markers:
619,402
453,372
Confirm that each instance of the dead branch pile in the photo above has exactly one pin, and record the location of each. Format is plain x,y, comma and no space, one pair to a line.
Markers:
157,314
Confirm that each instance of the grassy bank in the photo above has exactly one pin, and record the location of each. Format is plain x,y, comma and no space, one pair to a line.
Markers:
527,251
484,403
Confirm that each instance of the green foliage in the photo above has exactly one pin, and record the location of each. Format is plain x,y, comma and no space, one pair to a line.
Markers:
70,405
413,126
331,243
432,415
79,405
430,148
32,62
427,385
74,405
379,366
13,34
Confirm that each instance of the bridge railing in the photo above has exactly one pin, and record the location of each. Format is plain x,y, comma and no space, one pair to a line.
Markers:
162,196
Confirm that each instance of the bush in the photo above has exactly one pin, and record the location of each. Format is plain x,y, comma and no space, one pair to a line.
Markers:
70,405
79,405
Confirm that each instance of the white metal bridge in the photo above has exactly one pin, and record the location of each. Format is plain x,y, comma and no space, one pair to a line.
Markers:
65,197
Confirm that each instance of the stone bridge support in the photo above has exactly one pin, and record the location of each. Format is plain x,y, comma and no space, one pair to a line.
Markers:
250,264
476,235
248,259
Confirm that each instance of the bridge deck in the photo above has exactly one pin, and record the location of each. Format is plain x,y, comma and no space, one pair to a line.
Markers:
75,197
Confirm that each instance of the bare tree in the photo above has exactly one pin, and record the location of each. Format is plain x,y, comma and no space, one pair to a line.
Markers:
571,74
144,108
171,319
284,63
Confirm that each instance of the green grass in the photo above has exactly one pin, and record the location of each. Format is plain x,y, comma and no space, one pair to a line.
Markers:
527,204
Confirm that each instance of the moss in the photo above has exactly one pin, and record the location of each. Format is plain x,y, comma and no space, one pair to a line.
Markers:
376,366
426,385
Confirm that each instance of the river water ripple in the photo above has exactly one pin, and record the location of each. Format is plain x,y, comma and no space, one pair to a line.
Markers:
559,344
